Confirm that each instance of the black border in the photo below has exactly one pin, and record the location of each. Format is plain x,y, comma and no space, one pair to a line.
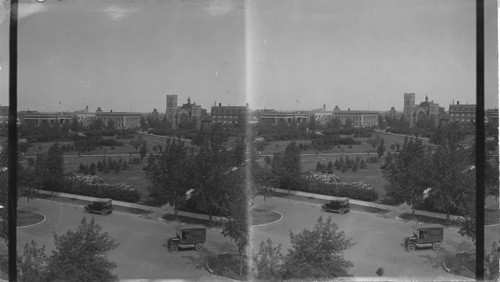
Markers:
480,136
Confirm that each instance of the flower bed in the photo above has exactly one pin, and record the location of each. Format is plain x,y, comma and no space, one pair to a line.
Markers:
93,186
352,190
318,176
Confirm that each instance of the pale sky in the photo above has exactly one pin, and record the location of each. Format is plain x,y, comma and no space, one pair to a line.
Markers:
282,54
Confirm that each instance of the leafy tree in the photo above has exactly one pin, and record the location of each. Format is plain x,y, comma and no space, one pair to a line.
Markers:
287,166
210,170
492,263
408,174
448,166
170,175
79,255
32,264
329,168
50,168
348,123
238,153
318,253
236,224
267,263
144,149
381,148
92,169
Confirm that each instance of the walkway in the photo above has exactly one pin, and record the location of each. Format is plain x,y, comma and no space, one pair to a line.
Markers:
159,212
156,212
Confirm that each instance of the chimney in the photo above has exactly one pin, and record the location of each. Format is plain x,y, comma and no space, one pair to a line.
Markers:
324,107
110,111
458,102
86,109
220,104
348,109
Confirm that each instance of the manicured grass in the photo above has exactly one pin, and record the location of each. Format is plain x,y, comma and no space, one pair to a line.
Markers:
262,216
427,219
228,265
491,216
28,218
463,264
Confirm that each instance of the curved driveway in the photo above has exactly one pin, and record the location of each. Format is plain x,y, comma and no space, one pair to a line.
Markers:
378,240
140,254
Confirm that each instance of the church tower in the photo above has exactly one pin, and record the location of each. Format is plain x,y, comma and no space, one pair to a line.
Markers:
171,108
409,106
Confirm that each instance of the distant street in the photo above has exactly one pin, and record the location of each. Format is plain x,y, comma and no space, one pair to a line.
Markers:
378,240
141,253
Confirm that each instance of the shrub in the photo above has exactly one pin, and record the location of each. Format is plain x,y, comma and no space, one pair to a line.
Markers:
353,190
92,186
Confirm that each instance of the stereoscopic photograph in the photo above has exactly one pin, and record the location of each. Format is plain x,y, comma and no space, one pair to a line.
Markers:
249,140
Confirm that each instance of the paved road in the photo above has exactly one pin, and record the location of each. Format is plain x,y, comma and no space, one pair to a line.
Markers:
379,240
140,253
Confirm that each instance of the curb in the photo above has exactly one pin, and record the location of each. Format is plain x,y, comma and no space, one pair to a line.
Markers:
208,267
44,218
263,224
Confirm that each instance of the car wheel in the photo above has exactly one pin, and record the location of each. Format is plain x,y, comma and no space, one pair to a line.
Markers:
436,246
341,211
198,247
410,247
104,212
174,248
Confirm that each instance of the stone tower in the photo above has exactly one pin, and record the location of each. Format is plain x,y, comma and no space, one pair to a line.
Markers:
171,107
409,106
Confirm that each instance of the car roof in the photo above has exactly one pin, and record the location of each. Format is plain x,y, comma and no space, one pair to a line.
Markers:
419,226
190,226
102,200
340,199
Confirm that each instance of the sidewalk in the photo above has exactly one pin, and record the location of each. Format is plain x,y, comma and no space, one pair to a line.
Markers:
394,210
156,212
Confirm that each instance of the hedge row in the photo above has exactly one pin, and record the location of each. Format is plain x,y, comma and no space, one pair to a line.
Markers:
353,190
118,191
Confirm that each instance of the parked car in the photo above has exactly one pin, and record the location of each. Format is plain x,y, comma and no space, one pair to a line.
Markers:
101,206
340,205
187,236
428,235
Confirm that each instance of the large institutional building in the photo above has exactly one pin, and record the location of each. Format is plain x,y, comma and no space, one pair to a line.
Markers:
424,111
37,119
359,118
230,115
187,112
462,113
120,119
276,117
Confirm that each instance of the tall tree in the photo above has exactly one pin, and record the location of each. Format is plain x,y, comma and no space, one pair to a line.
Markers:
408,174
211,166
49,169
170,175
318,253
286,166
236,225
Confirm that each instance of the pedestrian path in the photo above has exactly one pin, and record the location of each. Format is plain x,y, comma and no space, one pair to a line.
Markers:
394,210
156,212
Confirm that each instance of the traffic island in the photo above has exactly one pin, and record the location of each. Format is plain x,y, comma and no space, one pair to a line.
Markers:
27,219
228,265
264,216
462,264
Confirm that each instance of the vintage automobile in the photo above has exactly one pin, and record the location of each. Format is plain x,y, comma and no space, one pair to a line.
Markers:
187,236
340,205
101,206
428,235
